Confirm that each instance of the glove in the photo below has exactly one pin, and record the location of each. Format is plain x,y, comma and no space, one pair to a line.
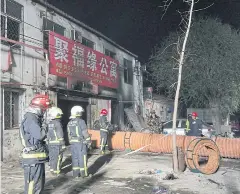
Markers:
63,147
89,146
27,150
89,143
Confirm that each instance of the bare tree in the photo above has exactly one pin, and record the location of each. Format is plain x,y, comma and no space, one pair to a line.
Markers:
175,158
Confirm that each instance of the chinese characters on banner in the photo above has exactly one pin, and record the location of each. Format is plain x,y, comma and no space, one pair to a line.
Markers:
78,62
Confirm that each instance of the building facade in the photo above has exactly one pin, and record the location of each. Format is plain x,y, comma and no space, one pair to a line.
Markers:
44,49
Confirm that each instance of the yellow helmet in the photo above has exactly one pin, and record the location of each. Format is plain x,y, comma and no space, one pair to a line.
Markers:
55,113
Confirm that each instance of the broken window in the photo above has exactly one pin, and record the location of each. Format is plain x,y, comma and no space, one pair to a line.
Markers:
128,72
51,26
11,19
110,53
88,43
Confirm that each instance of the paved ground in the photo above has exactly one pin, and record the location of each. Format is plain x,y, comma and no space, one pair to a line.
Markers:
115,173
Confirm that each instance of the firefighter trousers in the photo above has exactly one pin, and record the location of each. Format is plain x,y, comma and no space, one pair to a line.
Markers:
34,177
79,159
104,140
55,158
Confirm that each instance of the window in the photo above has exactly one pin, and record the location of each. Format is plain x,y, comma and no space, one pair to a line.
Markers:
128,72
11,19
11,109
110,53
62,82
88,43
76,36
51,26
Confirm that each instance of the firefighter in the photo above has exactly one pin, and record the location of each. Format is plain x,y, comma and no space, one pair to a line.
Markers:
79,139
104,131
32,136
56,143
195,126
188,122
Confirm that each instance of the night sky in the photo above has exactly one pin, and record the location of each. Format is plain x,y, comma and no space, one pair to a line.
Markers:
137,24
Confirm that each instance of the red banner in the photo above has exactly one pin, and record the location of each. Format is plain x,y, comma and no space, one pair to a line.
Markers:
78,62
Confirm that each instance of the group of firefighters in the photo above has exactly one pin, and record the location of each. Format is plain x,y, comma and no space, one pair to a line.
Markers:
42,136
43,144
194,125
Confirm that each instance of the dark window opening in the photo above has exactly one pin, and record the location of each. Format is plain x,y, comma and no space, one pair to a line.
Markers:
62,82
13,29
3,26
110,53
2,5
51,26
11,19
88,43
14,9
128,72
11,109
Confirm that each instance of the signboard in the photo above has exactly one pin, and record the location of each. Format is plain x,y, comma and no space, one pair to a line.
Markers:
75,61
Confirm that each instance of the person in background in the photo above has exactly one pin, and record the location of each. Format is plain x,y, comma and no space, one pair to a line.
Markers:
79,139
154,122
56,143
189,119
195,126
32,136
104,131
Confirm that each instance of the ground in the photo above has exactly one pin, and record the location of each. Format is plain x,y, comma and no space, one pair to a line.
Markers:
139,173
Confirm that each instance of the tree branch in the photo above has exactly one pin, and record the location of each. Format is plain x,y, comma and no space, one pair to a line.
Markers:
166,5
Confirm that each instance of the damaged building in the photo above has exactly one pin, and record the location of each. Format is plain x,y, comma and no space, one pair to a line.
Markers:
44,49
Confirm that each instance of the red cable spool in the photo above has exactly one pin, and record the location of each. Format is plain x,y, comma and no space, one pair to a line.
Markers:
203,147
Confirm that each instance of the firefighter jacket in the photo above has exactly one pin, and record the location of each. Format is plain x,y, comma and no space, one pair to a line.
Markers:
189,120
104,124
77,131
55,132
32,136
195,127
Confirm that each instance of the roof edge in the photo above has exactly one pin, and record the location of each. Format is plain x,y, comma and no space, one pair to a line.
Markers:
62,13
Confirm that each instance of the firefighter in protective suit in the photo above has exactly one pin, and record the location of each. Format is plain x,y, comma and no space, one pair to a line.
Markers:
79,139
56,143
104,131
32,136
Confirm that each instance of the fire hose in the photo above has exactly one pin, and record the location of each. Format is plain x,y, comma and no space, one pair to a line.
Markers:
193,147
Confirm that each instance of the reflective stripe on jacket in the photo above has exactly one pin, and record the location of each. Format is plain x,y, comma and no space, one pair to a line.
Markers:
32,136
55,132
77,130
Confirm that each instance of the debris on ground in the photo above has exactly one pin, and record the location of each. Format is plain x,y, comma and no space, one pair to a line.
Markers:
170,177
149,172
159,190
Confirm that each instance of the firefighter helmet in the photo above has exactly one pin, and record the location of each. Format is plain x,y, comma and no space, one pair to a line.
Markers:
55,112
40,101
194,114
76,111
104,112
